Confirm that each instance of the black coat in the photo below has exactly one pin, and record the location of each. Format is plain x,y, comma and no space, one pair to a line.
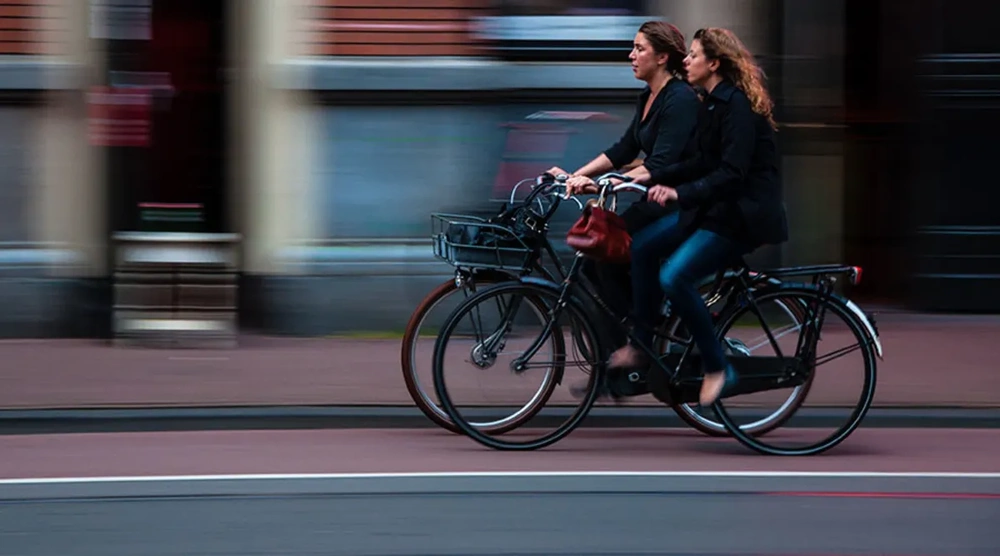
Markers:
728,181
664,133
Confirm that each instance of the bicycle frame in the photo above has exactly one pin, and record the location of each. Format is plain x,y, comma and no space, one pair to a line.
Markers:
757,373
768,373
733,287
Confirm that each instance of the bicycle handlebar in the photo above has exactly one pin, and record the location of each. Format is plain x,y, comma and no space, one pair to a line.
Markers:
546,184
605,180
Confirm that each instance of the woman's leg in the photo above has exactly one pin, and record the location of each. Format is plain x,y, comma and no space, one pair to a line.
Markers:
703,253
649,246
614,280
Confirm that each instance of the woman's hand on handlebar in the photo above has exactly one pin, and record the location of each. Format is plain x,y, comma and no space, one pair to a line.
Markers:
662,194
580,184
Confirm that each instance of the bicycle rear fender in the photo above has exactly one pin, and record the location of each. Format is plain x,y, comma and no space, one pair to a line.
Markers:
863,318
867,322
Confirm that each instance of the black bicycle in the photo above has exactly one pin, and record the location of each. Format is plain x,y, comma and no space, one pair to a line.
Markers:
504,248
567,313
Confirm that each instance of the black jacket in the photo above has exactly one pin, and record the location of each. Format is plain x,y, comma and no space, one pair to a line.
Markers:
728,180
664,133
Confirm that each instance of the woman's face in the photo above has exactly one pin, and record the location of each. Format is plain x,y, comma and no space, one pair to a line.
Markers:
699,68
645,60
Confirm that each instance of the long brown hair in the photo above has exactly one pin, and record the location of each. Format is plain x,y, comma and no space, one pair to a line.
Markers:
667,39
737,64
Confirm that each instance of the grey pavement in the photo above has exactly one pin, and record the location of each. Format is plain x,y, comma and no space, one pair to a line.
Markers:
526,516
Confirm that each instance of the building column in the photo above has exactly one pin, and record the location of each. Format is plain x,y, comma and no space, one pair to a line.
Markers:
274,133
69,202
740,16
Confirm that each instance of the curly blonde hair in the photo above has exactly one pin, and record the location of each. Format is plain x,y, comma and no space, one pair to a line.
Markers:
737,64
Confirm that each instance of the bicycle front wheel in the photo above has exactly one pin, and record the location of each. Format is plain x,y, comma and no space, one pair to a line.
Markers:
829,336
511,331
417,347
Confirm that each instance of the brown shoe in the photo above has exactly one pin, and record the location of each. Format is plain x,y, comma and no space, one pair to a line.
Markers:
716,385
626,357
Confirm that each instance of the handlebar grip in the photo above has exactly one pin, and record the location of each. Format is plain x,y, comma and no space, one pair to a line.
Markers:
605,180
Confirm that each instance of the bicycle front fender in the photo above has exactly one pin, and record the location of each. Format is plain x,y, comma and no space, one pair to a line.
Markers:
540,282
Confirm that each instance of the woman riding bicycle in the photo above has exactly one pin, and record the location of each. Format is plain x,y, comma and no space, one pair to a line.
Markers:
665,115
730,201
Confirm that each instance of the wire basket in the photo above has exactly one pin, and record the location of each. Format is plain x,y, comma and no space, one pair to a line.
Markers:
472,242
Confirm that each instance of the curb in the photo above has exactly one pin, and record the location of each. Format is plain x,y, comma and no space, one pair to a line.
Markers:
58,421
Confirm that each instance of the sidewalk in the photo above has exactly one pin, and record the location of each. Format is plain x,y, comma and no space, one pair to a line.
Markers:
930,361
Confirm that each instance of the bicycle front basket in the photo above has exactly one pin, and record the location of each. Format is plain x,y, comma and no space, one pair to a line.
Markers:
472,242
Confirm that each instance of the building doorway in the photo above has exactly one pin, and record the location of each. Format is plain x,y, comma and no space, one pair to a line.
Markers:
173,178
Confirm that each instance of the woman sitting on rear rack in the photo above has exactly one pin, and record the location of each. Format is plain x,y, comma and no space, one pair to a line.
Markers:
730,200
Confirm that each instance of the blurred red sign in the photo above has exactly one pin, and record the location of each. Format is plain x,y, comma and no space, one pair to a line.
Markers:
119,116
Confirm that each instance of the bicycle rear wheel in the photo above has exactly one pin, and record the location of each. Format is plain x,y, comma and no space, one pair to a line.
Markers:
826,317
487,344
704,420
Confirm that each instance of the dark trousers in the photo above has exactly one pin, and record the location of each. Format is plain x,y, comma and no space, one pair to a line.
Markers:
691,253
614,281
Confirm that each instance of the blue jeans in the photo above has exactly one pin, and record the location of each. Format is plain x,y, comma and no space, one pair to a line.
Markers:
691,254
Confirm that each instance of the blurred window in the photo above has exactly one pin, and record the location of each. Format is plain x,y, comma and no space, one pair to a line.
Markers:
16,170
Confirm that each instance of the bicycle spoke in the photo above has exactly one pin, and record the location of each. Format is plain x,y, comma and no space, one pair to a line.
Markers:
755,309
774,338
837,354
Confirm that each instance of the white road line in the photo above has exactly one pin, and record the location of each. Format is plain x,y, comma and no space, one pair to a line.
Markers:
501,474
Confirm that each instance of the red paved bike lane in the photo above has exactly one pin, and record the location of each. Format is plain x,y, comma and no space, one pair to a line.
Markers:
942,361
433,450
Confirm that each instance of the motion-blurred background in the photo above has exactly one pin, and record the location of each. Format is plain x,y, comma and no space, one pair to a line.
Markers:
270,165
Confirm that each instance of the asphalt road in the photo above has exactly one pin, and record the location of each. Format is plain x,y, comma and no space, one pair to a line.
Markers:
891,492
504,515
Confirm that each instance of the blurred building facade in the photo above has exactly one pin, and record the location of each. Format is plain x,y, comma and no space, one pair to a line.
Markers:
271,164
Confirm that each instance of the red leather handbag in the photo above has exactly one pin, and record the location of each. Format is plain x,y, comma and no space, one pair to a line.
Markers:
601,234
